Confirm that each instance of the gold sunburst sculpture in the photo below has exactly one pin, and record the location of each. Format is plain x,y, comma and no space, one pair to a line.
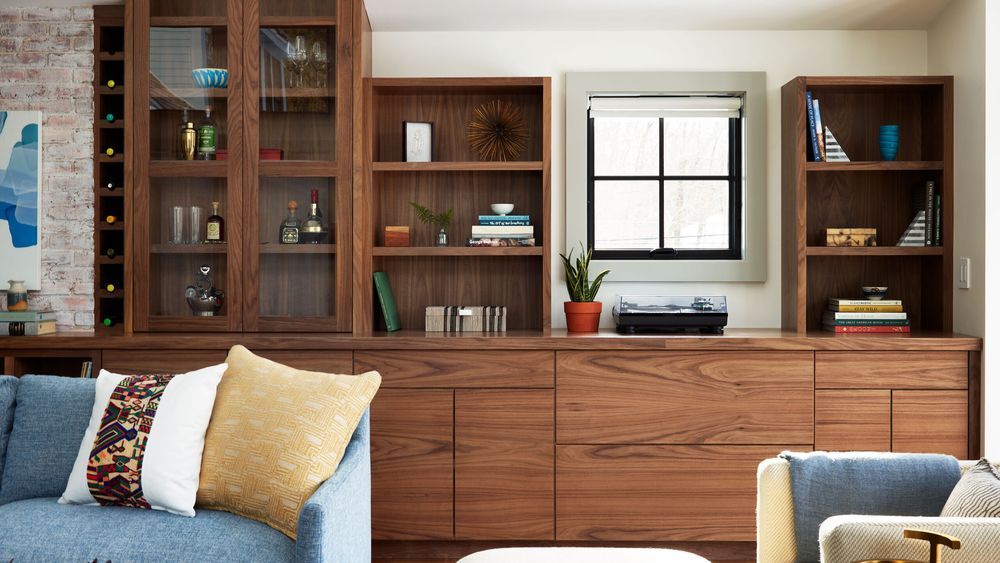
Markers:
497,131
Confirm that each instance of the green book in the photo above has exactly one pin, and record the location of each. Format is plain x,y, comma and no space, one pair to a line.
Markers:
387,301
27,316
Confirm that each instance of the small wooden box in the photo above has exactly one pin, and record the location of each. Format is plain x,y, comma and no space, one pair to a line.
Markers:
466,319
397,236
851,237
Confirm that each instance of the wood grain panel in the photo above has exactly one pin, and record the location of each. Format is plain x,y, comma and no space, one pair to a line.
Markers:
325,361
684,398
504,464
160,361
892,370
931,422
851,419
658,493
460,368
412,473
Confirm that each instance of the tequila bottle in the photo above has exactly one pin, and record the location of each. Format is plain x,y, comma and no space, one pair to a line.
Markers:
215,229
288,231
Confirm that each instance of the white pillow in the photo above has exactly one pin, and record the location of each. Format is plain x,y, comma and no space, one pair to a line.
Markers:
151,459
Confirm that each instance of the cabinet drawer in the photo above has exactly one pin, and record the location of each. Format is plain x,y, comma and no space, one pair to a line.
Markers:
931,422
892,370
659,493
853,419
684,398
136,362
458,369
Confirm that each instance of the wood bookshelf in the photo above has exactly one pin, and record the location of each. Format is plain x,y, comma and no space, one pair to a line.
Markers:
423,274
866,192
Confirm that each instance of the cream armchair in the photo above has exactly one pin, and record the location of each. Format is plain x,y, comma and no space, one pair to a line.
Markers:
849,538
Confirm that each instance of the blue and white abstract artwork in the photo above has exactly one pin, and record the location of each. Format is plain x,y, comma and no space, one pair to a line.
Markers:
20,197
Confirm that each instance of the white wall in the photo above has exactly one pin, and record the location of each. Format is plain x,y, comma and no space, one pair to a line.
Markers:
782,54
956,45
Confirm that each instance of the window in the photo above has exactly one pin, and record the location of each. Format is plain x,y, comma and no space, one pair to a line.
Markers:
664,177
666,174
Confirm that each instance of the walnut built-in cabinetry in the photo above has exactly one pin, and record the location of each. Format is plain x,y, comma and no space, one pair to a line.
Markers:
543,439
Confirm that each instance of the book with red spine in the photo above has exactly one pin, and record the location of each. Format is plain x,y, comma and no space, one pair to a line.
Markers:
880,329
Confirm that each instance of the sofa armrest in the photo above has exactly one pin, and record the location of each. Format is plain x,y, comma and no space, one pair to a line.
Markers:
8,392
775,522
335,524
851,538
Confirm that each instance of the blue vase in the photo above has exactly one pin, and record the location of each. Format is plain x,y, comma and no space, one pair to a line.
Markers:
888,141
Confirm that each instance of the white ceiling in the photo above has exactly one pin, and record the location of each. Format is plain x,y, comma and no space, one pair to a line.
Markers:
580,15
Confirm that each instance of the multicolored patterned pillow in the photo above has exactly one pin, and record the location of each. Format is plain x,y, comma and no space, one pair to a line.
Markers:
145,440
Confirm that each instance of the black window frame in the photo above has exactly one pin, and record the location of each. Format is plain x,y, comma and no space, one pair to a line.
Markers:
734,178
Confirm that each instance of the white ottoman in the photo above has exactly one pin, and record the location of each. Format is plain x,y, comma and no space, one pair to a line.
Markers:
582,555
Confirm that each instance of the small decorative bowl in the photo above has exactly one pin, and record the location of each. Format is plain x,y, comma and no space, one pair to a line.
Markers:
211,77
874,293
502,208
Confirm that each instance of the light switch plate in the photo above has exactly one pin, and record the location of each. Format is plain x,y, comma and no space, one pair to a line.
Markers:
964,273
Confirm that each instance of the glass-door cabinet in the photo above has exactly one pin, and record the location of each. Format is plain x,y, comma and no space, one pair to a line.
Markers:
243,172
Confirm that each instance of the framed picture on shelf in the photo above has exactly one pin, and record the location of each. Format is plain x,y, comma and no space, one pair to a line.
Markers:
418,140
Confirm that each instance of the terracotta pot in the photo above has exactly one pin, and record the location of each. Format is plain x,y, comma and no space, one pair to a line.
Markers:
582,317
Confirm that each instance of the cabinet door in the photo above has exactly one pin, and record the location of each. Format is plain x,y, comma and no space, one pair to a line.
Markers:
504,464
173,195
853,419
931,422
412,473
298,105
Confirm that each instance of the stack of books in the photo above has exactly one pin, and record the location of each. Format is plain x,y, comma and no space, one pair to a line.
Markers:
27,323
863,316
503,230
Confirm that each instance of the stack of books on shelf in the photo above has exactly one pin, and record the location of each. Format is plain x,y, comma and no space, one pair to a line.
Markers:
852,316
503,230
821,145
27,323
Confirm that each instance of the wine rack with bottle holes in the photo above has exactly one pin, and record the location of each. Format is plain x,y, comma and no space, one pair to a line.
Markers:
111,181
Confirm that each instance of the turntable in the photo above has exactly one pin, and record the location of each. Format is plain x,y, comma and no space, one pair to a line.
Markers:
661,313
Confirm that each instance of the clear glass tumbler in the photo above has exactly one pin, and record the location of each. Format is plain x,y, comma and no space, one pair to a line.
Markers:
195,221
178,217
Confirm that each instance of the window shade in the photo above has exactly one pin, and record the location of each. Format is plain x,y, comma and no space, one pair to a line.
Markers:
667,106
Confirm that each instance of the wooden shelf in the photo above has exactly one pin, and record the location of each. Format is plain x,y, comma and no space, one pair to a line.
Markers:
117,124
167,248
275,248
874,166
185,93
105,56
118,158
531,166
457,251
298,93
298,168
118,226
118,90
297,21
188,168
188,21
874,250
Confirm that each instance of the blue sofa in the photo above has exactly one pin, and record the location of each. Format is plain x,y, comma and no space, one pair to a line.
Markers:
42,421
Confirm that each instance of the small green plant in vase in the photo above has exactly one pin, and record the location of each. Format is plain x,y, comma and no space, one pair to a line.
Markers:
583,314
440,220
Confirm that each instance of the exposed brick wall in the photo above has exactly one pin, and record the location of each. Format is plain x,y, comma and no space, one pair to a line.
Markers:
47,64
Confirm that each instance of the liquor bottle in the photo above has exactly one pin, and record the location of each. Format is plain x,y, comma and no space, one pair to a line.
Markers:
110,219
110,151
288,231
207,137
215,230
110,118
312,228
110,84
110,252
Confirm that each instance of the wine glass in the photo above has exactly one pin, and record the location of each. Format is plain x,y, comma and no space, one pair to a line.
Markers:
296,57
319,63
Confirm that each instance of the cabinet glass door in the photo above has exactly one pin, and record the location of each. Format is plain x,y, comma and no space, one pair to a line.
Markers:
188,193
298,151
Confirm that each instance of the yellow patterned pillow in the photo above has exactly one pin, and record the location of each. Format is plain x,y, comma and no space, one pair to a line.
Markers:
276,434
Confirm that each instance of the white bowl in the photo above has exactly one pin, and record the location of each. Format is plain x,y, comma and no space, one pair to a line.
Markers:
502,208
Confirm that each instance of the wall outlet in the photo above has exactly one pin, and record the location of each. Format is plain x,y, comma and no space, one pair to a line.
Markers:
964,273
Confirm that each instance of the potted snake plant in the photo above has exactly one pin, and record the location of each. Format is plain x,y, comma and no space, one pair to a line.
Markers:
583,314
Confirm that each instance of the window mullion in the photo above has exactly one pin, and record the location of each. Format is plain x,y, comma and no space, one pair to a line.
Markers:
662,188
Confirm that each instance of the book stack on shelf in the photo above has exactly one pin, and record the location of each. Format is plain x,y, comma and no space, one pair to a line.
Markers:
503,230
854,316
822,145
27,323
925,229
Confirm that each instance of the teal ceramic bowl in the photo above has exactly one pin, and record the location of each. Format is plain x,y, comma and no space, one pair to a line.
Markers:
211,77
